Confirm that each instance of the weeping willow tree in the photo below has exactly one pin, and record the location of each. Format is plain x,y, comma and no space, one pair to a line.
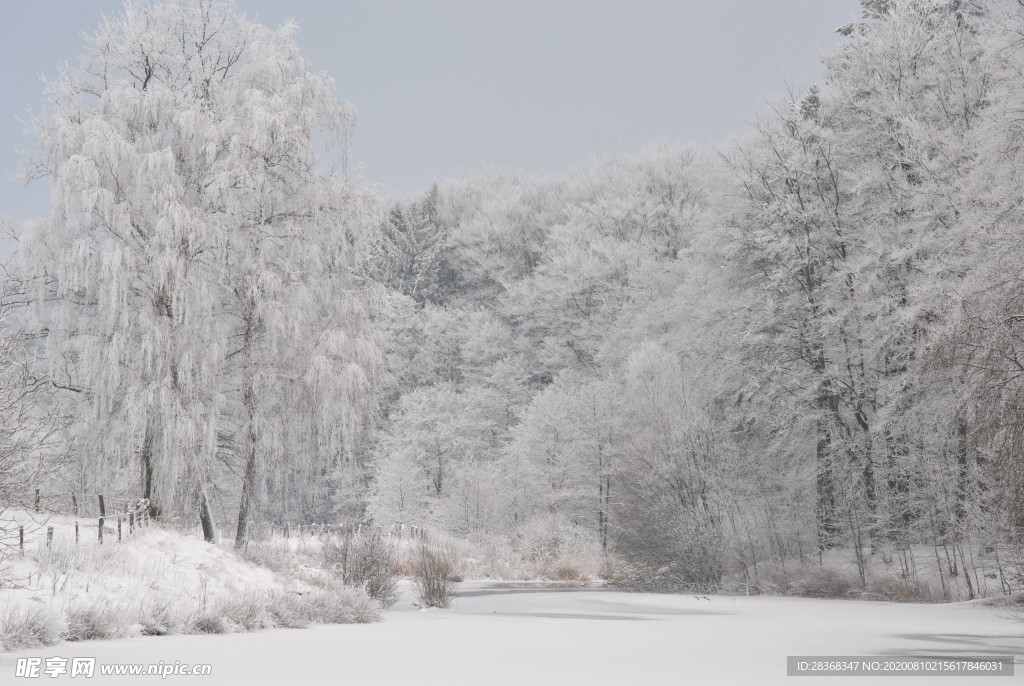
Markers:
193,274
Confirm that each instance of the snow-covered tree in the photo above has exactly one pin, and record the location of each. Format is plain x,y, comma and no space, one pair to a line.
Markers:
412,252
192,268
672,516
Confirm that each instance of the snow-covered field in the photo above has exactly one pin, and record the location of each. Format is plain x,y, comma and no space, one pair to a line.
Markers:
526,634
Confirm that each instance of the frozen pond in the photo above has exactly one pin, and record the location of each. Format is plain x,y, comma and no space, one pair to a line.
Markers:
527,634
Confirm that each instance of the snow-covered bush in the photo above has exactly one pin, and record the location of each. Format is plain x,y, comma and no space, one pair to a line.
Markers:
555,548
208,623
246,611
434,570
341,605
30,626
161,617
366,559
289,611
264,608
96,621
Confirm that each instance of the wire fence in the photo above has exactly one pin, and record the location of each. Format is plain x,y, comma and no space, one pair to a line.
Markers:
115,518
119,516
265,531
75,503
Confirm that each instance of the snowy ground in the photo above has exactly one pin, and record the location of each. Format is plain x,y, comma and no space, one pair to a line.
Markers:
529,634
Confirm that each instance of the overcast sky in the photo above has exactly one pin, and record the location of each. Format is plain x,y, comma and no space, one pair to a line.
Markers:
450,88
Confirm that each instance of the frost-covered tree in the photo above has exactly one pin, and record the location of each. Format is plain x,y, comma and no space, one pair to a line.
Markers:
812,345
851,242
672,515
567,451
412,252
498,229
980,355
34,444
192,268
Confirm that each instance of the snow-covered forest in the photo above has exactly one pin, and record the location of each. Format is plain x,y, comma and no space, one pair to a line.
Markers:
682,368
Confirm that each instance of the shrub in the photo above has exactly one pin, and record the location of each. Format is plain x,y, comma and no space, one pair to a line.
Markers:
544,547
160,619
669,555
337,604
404,567
568,572
902,591
810,582
368,560
340,606
33,626
1011,607
208,623
245,611
825,583
433,574
289,610
94,622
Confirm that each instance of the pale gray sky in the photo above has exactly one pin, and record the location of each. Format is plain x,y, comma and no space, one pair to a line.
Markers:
449,88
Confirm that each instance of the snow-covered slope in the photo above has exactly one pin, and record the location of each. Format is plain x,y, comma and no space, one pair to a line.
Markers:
155,581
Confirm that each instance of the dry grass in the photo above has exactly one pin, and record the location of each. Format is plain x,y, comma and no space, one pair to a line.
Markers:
810,582
903,591
817,582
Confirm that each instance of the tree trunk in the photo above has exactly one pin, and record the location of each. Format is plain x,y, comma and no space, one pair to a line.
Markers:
963,484
825,505
603,486
146,460
249,475
206,517
251,432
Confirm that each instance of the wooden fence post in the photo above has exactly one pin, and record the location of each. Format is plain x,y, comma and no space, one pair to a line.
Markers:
103,513
76,533
49,536
118,527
